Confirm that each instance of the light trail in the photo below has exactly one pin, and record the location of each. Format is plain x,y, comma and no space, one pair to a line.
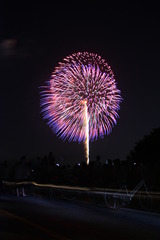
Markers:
86,132
108,191
47,185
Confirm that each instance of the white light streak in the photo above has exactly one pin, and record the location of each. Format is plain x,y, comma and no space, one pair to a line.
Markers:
87,132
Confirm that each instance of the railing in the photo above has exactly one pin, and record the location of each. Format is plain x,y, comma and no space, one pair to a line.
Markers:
112,198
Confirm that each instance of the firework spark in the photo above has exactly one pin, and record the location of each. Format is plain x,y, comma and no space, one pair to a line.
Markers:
86,131
81,92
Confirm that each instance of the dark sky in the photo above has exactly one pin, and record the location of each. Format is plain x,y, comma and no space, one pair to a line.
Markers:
36,35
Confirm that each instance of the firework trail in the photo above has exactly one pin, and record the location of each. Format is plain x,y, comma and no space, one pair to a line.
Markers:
86,131
81,99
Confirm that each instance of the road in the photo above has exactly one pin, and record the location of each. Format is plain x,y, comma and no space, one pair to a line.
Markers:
31,218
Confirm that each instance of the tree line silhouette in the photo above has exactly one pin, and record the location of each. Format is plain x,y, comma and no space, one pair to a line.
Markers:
143,162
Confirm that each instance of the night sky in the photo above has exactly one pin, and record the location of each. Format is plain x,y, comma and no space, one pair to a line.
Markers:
36,35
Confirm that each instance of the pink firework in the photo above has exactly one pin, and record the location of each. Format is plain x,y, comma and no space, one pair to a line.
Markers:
81,81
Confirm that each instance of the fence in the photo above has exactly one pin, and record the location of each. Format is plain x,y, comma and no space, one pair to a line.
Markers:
139,197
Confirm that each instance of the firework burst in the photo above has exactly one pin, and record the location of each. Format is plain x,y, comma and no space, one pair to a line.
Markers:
81,99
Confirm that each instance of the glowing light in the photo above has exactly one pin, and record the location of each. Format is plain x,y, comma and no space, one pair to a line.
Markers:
82,82
87,132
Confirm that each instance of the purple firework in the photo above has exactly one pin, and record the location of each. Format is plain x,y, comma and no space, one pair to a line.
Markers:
81,79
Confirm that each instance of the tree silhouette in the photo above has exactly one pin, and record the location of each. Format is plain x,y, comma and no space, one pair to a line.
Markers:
147,150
